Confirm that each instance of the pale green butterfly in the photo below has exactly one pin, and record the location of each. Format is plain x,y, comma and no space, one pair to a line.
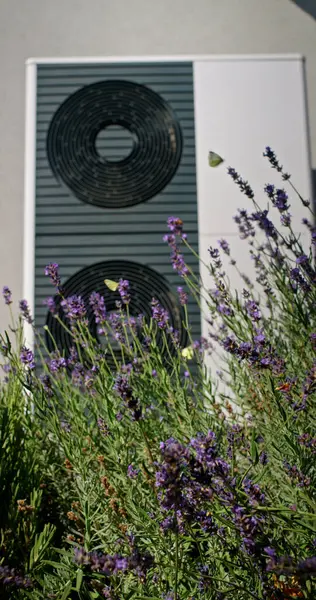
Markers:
214,159
187,353
112,285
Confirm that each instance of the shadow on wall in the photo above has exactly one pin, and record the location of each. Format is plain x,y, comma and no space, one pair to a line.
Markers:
308,5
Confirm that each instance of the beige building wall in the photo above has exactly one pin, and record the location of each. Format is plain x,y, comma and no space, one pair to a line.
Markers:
46,28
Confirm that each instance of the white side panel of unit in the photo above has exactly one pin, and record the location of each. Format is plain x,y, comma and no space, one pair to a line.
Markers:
240,108
29,197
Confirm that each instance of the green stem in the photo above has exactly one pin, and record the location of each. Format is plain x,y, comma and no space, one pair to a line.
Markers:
176,561
147,443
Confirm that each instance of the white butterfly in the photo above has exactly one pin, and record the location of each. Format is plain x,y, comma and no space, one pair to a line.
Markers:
112,285
214,159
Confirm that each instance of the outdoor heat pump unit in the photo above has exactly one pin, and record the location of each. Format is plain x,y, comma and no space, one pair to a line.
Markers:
114,146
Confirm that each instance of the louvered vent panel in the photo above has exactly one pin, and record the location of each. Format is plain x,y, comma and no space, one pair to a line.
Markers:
77,234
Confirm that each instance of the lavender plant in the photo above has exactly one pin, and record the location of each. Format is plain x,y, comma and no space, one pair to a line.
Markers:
141,481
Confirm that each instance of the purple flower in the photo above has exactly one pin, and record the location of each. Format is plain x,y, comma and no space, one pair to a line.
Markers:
117,327
175,225
253,310
122,386
7,295
224,246
74,307
178,263
272,158
103,428
245,226
307,566
286,565
51,305
89,378
297,277
123,389
132,472
108,593
214,252
73,357
280,199
260,337
248,526
309,386
230,345
242,183
168,478
269,190
206,521
263,458
96,302
183,296
9,577
123,288
78,374
81,557
25,311
260,217
254,492
296,475
57,363
224,309
47,384
168,524
286,219
102,563
171,241
313,340
121,564
307,441
27,357
301,259
206,454
51,271
270,552
159,314
236,439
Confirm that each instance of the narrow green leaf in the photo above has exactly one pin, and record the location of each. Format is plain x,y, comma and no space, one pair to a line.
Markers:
66,591
79,578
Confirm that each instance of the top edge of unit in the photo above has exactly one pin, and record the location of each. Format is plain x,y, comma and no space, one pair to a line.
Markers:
163,58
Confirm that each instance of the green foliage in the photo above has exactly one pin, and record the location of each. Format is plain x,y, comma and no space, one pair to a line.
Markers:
147,481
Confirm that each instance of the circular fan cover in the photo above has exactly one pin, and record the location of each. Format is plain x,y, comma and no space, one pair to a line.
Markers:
148,168
145,284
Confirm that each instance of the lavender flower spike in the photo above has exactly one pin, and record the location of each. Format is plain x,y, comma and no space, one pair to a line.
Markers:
159,314
7,295
74,307
123,288
25,311
27,357
51,271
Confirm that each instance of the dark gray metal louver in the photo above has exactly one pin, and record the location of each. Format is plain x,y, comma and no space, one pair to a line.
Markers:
110,171
152,162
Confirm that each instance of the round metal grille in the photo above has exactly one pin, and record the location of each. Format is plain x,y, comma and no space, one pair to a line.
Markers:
145,284
148,168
